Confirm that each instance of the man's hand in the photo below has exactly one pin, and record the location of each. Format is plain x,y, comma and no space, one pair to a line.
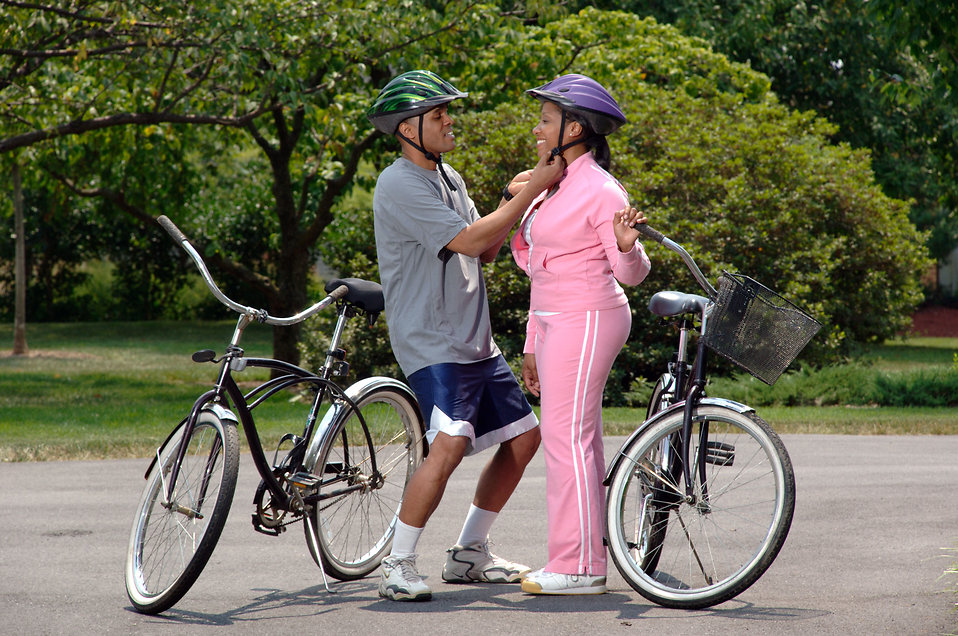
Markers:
547,171
519,182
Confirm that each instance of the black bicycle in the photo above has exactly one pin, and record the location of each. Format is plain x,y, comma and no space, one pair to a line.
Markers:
701,495
343,476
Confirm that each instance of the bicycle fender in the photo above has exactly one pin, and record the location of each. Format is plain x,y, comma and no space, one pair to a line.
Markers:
222,412
375,382
353,392
678,406
218,410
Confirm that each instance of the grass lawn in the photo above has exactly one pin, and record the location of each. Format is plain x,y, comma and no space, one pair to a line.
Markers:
107,390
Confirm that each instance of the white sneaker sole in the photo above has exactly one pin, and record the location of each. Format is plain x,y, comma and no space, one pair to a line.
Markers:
531,587
398,594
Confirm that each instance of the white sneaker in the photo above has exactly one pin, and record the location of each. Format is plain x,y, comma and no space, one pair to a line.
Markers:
542,582
401,581
474,563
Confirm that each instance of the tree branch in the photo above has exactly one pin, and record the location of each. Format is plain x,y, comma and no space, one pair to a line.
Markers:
118,198
80,126
334,187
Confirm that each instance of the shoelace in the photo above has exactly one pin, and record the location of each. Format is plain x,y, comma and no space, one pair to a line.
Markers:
407,566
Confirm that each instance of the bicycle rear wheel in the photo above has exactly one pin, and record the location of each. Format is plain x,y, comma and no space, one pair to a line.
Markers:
171,542
718,544
355,519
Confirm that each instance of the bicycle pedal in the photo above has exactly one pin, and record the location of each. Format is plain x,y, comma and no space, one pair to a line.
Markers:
304,480
273,531
719,454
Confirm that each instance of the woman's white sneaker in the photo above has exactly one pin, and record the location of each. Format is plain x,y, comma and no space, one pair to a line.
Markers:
542,582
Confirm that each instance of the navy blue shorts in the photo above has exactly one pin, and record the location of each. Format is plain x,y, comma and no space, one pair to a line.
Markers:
481,401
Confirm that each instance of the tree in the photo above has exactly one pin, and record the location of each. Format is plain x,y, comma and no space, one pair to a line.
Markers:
883,71
746,183
294,77
20,320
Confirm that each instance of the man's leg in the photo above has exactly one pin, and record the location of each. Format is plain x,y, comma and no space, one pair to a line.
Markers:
470,559
502,473
400,579
426,486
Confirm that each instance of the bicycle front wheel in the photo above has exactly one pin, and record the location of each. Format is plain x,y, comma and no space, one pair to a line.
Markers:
171,541
354,519
715,543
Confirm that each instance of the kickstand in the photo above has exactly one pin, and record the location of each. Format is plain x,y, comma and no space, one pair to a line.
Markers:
311,537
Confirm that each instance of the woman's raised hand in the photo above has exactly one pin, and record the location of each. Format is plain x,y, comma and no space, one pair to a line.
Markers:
625,234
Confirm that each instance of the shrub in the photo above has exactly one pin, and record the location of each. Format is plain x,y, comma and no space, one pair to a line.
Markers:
720,166
723,168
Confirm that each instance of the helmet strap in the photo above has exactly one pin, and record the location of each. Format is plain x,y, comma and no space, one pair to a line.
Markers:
560,148
428,154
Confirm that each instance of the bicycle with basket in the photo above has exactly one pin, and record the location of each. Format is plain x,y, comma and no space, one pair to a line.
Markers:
701,496
343,476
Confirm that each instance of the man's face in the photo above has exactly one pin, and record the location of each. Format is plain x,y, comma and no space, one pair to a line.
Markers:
437,135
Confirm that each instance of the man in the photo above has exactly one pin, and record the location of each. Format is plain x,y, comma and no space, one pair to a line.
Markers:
431,243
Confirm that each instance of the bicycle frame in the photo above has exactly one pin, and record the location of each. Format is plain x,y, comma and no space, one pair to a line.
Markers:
226,391
689,384
330,473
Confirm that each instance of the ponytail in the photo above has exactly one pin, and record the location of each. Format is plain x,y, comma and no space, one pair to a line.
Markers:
600,150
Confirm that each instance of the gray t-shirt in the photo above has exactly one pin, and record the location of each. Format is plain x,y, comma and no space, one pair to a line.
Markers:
436,306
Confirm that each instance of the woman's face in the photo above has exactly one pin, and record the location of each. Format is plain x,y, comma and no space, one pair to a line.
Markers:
547,130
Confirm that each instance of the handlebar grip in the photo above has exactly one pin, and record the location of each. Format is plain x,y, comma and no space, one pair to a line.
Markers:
171,229
339,293
649,232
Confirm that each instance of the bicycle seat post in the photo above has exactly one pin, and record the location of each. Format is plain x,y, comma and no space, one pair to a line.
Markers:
335,356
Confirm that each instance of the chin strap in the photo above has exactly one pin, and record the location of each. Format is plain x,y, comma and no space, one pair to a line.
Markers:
558,150
429,155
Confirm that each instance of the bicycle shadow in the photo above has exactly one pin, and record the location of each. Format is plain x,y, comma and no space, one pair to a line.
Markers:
363,596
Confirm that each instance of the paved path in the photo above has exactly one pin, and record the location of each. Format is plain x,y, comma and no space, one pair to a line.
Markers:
865,556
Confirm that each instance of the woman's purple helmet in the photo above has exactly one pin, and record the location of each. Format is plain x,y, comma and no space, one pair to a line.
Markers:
585,97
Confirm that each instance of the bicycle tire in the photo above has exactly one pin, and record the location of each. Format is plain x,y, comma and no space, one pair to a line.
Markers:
649,542
354,530
169,545
714,548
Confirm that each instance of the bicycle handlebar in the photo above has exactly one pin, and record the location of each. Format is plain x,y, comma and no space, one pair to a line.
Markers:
658,237
259,315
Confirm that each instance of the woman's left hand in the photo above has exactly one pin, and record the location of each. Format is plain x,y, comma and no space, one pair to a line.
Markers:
625,234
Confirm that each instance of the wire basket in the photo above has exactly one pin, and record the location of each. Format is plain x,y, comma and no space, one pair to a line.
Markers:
756,328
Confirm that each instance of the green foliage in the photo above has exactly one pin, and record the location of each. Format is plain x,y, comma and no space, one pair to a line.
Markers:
723,168
885,72
350,252
852,384
281,87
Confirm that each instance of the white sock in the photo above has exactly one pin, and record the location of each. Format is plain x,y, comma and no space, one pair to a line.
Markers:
405,539
476,528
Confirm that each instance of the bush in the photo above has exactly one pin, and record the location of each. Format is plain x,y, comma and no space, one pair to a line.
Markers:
849,384
723,168
719,165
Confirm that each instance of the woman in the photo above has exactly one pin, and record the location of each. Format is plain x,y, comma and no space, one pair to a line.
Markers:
576,243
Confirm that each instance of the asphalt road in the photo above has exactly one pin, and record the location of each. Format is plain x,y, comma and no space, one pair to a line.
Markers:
875,519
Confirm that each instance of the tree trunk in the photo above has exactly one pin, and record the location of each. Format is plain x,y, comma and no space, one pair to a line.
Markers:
292,282
20,309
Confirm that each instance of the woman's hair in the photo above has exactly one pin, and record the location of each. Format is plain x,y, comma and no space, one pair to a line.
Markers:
594,142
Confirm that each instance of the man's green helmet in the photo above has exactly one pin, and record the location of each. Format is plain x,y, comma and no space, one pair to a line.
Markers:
407,95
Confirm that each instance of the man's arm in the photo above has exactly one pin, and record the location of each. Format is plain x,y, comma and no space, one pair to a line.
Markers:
484,237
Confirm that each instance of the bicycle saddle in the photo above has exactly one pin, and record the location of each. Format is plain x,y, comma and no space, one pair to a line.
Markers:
673,303
363,294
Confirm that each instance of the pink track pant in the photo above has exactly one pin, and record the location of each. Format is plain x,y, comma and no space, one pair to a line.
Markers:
574,354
